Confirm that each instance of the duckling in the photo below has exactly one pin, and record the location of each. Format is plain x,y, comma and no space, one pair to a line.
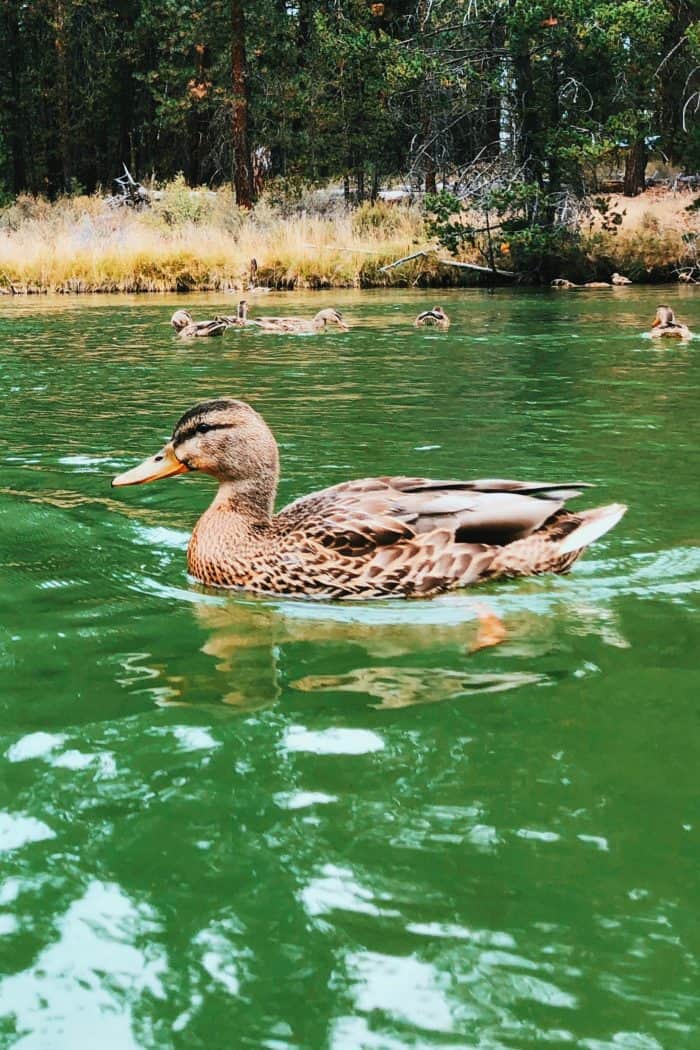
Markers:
561,282
187,328
436,317
302,325
618,279
372,538
665,326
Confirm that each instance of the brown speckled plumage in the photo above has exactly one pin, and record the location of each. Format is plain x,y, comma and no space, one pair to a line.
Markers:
302,325
187,328
435,318
665,325
375,537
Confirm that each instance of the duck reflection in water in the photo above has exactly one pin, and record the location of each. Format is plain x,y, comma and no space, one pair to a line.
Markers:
254,644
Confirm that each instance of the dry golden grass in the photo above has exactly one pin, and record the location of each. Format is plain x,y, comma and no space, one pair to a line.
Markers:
200,241
657,236
657,207
82,245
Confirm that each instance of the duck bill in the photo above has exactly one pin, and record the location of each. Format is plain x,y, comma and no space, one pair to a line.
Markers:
655,323
164,464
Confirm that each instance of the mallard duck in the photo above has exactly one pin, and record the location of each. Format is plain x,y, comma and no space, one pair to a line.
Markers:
665,325
302,325
373,538
237,320
188,329
435,317
618,280
562,282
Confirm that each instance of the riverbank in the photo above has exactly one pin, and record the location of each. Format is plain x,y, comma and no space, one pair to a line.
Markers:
199,241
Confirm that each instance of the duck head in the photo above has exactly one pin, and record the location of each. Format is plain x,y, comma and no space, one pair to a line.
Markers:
330,316
225,438
181,319
664,317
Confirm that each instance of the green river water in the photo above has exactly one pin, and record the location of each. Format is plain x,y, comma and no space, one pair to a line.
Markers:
235,822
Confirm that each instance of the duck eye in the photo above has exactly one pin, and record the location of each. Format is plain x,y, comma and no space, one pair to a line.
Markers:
203,428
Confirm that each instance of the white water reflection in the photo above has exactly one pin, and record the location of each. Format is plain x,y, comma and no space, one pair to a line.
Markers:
335,741
404,987
64,1002
335,888
17,830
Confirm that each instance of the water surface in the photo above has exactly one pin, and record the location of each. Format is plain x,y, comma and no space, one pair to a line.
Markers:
228,821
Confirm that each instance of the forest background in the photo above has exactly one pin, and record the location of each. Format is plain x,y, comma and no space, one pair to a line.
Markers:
516,130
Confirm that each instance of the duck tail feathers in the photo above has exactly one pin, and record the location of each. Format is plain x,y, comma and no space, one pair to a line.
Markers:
594,524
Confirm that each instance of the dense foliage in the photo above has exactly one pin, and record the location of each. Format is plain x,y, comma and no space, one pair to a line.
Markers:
347,89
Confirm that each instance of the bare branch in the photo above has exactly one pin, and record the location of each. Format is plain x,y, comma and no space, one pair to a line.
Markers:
665,59
695,97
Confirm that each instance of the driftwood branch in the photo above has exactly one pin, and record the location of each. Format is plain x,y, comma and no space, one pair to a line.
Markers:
474,266
448,262
403,259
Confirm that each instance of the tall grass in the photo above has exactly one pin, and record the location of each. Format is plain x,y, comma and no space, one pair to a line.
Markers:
199,240
659,236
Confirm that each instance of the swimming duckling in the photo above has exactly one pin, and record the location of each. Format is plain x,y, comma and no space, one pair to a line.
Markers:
665,326
370,538
187,328
436,317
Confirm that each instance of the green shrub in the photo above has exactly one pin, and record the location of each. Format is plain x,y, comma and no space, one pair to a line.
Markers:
178,205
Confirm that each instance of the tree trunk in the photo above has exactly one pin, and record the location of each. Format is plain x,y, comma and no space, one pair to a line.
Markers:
375,184
528,119
430,175
428,157
242,169
635,166
492,125
491,143
63,95
427,134
13,100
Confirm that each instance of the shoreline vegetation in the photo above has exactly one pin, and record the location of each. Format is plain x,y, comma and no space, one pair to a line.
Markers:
198,240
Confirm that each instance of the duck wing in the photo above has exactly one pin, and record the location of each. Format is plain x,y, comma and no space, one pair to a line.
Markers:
204,328
356,517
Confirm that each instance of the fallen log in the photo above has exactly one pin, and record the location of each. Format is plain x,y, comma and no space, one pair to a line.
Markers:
403,259
447,262
474,266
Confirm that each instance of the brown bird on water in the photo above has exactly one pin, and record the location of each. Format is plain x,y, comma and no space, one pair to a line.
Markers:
373,538
302,325
665,325
436,317
187,328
